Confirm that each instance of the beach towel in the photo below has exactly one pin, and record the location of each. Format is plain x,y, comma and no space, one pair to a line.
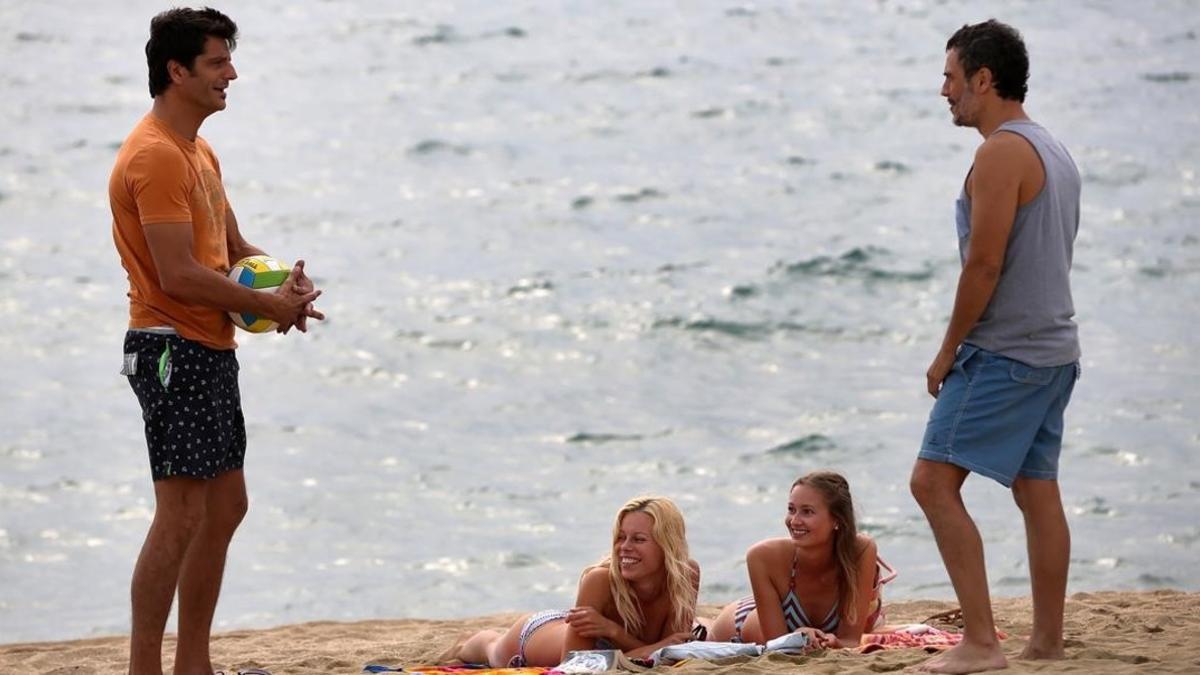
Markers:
913,636
587,661
791,643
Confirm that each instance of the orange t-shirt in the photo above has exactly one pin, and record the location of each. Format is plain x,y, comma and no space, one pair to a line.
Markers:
161,177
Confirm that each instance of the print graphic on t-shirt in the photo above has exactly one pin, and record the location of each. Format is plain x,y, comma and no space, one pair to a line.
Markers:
210,193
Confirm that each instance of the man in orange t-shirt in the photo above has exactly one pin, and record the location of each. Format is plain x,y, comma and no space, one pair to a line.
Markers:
176,234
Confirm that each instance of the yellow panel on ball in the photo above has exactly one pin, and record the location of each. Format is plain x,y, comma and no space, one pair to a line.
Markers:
262,273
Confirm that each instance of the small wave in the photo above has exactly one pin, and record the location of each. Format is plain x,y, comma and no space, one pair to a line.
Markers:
26,36
426,340
1164,268
528,287
641,195
1116,173
1103,563
1158,581
1094,506
806,445
892,166
1187,538
744,330
1122,456
87,108
433,146
516,561
515,32
657,72
797,160
441,35
680,267
742,291
858,262
590,438
1169,78
708,113
736,329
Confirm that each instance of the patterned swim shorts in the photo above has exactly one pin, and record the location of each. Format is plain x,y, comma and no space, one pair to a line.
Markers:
190,404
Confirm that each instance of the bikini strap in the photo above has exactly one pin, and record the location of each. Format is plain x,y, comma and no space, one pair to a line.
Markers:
792,578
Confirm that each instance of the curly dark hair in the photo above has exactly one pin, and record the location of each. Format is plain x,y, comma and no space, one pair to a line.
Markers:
999,48
179,35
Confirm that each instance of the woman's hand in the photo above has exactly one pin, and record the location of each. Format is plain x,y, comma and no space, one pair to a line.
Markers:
818,639
589,623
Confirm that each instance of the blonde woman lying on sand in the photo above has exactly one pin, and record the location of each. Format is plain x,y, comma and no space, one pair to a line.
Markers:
640,597
822,579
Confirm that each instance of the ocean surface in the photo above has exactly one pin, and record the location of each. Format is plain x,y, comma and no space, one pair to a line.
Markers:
577,251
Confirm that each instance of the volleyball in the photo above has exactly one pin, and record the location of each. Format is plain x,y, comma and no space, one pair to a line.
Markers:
262,273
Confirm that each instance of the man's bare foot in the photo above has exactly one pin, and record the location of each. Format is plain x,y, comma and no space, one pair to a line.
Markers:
966,658
1034,652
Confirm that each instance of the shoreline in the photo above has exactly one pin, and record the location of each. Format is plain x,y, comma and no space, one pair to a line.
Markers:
1106,632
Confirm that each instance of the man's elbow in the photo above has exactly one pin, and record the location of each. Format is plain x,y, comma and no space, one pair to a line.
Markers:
175,283
985,269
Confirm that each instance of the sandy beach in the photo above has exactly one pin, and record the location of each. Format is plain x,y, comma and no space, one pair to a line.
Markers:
1107,632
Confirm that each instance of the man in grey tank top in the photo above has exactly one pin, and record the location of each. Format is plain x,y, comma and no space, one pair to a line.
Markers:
1009,359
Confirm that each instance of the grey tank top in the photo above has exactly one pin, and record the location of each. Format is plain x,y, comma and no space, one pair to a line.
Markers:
1029,317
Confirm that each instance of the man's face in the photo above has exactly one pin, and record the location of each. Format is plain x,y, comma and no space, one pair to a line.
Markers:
964,105
205,83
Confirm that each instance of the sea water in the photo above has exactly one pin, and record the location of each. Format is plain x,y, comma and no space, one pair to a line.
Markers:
574,252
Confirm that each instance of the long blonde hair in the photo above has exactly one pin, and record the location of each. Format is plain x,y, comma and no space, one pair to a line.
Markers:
670,534
836,491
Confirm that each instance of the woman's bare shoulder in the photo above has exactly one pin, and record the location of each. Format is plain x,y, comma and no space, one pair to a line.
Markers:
770,549
594,574
864,543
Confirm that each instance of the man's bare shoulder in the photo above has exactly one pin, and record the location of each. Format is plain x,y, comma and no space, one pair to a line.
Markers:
1004,147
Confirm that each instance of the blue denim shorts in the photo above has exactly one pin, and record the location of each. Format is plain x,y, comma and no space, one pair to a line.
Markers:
999,417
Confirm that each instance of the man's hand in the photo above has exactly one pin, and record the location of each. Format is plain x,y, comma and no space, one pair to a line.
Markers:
289,303
938,370
302,285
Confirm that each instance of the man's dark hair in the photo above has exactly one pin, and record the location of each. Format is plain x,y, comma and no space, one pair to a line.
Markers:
998,47
179,35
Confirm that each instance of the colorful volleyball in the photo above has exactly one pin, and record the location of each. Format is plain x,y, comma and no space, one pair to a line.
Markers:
262,273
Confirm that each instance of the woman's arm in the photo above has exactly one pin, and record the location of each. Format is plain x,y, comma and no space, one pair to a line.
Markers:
849,634
586,621
760,563
646,650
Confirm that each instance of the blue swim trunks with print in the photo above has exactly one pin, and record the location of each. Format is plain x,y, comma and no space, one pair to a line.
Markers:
999,417
191,404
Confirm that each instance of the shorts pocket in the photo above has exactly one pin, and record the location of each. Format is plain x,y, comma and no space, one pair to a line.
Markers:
1030,375
969,361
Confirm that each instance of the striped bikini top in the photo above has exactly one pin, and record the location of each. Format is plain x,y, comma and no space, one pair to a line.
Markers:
793,613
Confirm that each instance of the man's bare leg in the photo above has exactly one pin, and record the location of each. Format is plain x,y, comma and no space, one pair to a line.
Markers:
178,511
937,488
1049,560
203,568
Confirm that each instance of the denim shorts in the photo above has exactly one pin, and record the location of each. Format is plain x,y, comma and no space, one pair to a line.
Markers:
999,417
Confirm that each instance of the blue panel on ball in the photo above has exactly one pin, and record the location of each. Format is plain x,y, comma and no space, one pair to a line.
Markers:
248,318
246,277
